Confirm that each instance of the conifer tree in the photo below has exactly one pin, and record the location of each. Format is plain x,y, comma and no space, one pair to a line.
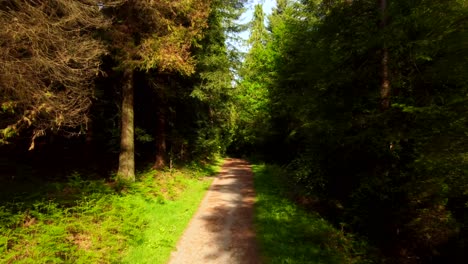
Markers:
48,62
367,106
151,35
252,92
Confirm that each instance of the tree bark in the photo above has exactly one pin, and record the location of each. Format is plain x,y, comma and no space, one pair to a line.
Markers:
385,88
161,139
126,170
89,144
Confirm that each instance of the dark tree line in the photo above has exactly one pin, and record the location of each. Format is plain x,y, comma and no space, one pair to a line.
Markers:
366,105
115,77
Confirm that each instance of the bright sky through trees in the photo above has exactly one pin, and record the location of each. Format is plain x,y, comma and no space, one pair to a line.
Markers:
247,17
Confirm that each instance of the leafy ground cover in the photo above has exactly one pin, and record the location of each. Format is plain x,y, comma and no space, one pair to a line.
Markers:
289,234
91,221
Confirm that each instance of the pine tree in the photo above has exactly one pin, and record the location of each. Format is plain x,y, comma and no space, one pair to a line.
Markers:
151,35
48,61
252,92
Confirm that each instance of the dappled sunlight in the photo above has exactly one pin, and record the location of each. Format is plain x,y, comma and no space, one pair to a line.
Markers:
222,230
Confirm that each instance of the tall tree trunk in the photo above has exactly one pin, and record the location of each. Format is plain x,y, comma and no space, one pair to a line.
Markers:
127,142
385,88
161,138
89,144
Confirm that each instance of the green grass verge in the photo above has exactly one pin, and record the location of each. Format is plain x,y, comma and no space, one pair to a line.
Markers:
289,234
84,221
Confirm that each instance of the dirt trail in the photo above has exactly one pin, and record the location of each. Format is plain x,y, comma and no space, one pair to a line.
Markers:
222,229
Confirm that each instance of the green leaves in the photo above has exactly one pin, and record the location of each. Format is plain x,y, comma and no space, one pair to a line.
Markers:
321,67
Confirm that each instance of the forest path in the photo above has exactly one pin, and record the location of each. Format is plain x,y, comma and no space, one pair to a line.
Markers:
222,229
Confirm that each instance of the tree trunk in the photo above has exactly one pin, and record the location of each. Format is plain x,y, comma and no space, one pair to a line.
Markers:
89,145
126,170
385,88
161,138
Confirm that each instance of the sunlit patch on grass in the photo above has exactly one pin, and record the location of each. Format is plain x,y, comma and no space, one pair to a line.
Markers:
93,221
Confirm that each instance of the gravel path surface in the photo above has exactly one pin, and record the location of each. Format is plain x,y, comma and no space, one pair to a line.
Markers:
222,229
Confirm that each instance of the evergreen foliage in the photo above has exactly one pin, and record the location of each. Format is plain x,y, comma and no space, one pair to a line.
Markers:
363,102
251,93
390,165
49,59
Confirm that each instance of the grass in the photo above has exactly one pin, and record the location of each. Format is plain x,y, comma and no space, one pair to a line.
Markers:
83,221
289,234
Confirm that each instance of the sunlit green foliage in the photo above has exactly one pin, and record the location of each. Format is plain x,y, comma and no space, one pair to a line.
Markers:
397,176
83,221
251,92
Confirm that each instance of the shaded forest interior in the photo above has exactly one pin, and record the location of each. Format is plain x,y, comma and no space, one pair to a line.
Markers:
363,103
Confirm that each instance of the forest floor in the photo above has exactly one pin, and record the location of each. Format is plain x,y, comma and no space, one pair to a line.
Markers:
80,218
222,229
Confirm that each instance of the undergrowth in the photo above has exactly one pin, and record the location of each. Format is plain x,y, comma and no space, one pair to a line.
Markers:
289,234
93,221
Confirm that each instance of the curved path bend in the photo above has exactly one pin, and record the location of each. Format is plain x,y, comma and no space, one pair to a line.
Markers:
222,229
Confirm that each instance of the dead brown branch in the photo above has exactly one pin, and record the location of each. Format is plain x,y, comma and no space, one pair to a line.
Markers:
48,62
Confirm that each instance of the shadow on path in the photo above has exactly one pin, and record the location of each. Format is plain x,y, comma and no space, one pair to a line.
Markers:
222,229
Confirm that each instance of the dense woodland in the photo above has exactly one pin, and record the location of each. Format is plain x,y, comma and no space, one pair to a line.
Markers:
363,102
